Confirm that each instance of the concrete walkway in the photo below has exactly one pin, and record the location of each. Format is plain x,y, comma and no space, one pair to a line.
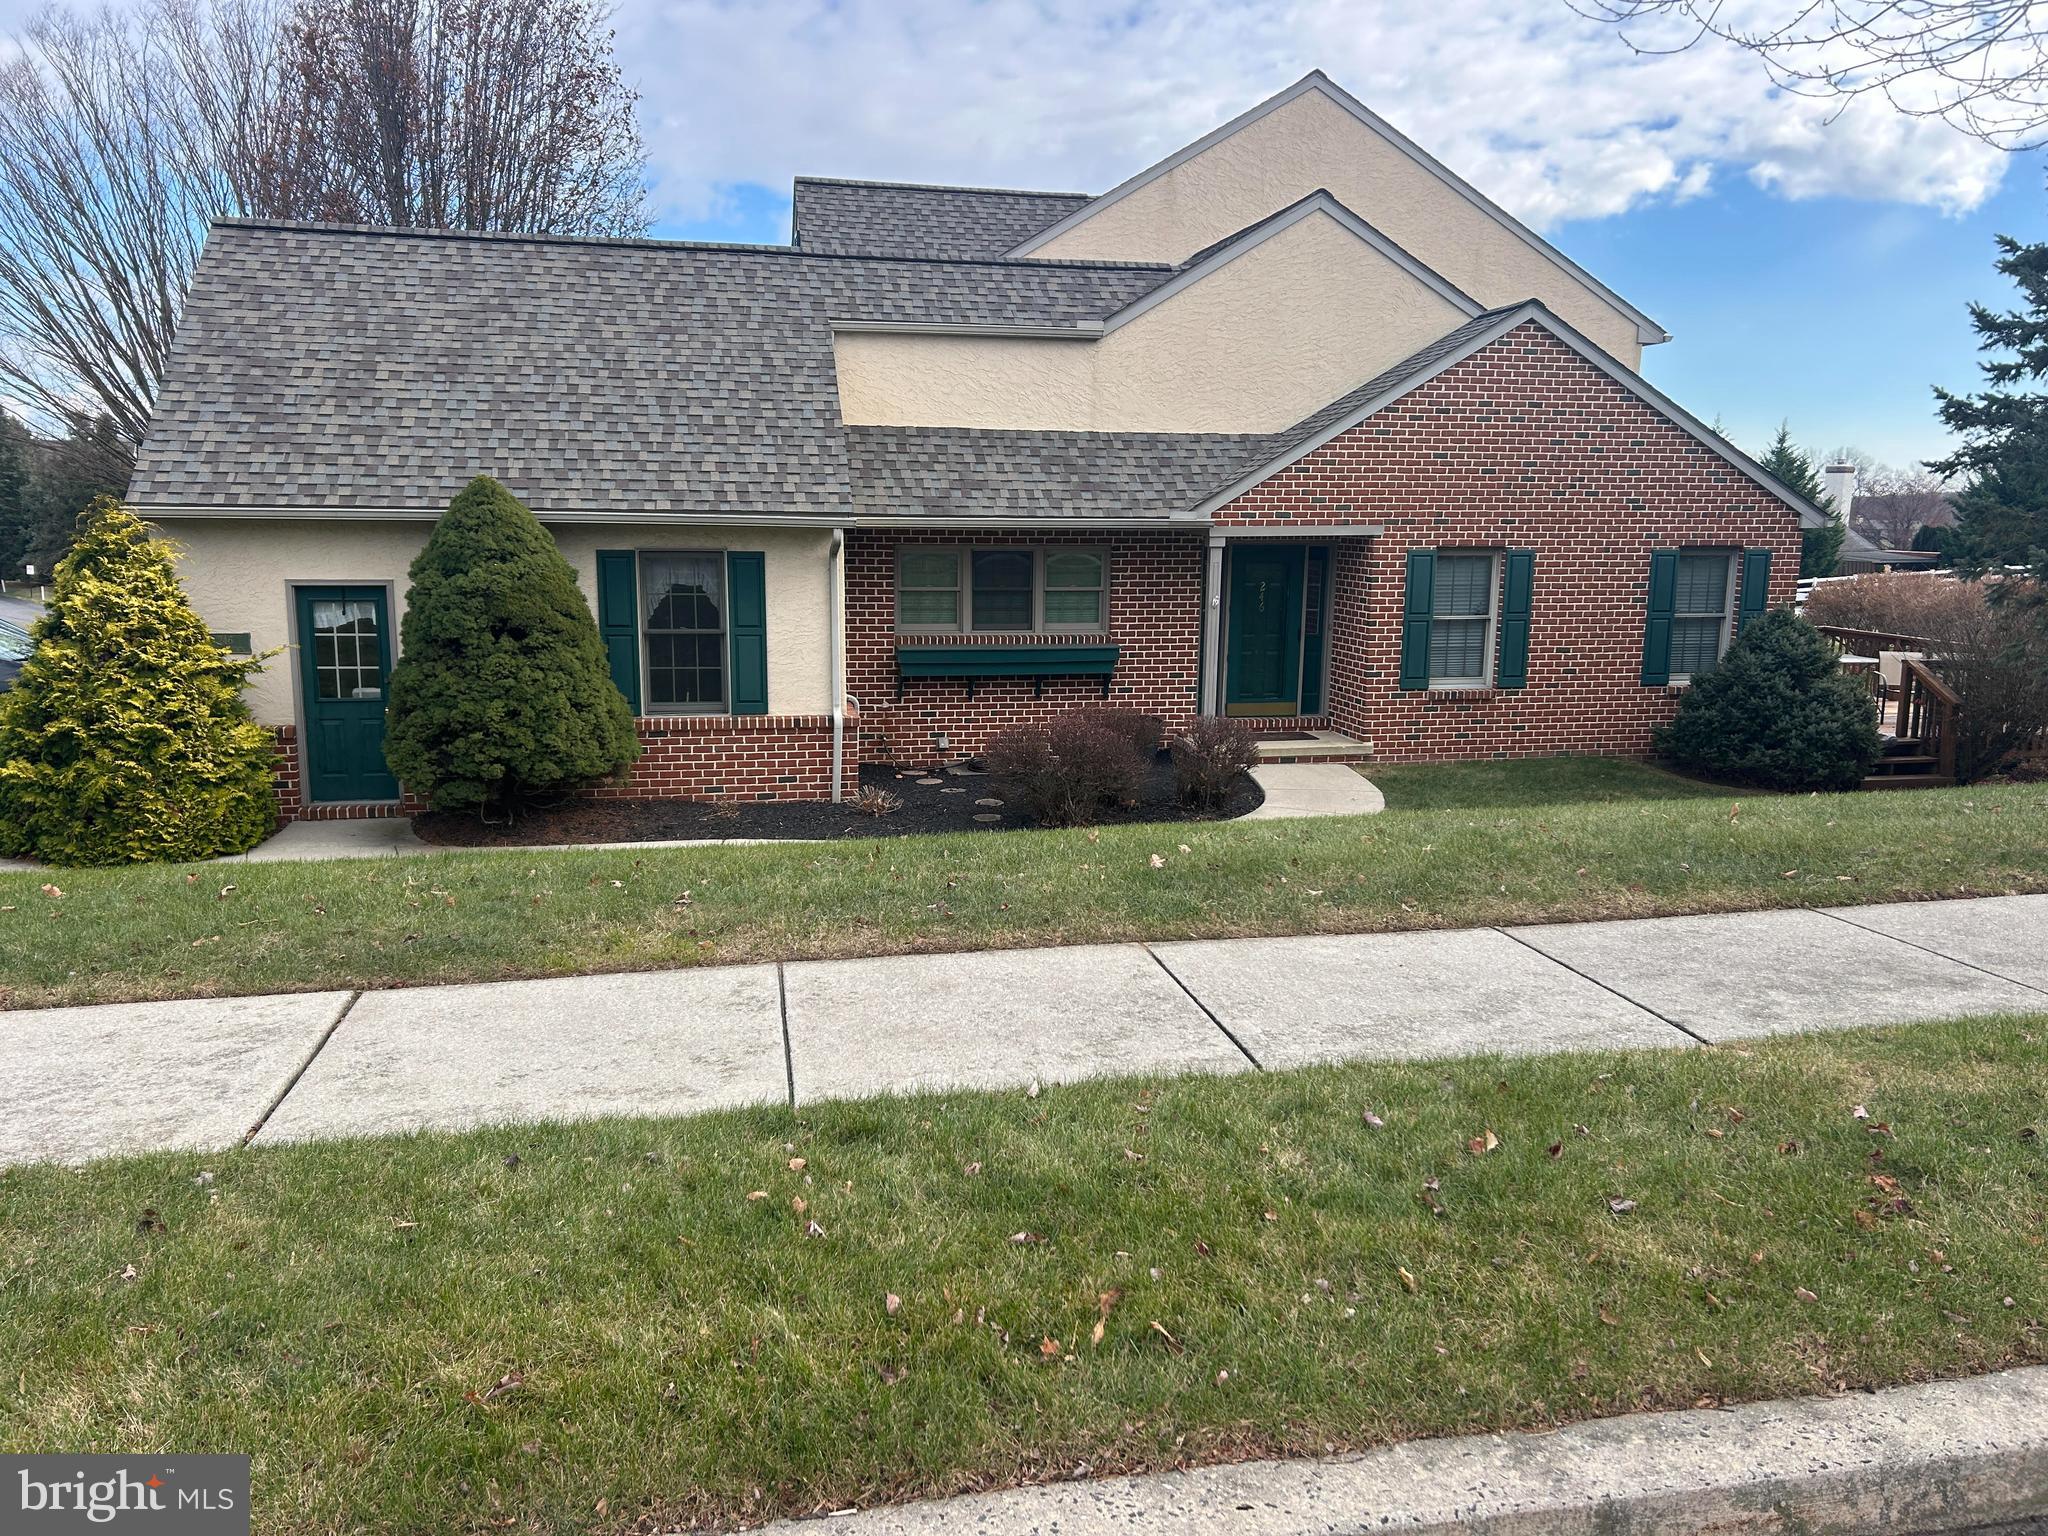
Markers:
1292,789
82,1082
1315,789
1943,1456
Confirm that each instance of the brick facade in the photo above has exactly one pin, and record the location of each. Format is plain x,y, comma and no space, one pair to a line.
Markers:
697,757
1523,445
1155,600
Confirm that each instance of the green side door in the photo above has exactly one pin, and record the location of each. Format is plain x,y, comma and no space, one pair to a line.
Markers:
1262,663
344,667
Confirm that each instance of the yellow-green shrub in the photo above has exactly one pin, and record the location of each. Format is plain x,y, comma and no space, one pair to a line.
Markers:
126,739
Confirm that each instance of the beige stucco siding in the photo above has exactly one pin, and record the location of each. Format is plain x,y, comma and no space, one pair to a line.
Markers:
240,572
1264,340
1313,142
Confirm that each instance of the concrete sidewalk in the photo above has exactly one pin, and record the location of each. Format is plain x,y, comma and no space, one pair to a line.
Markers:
1945,1456
83,1082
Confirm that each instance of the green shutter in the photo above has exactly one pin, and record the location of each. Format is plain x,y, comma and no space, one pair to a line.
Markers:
1512,670
1756,587
618,619
746,624
1657,629
1416,608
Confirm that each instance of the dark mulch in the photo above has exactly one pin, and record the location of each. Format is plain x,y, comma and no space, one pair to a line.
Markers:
942,800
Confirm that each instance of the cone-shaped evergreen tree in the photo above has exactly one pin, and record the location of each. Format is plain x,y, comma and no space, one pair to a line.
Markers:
126,738
502,695
1820,549
1778,712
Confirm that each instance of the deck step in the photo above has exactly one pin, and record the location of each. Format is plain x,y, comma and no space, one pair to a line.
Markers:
1909,760
1909,781
1321,747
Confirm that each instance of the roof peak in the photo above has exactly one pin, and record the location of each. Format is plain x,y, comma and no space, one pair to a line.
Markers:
937,186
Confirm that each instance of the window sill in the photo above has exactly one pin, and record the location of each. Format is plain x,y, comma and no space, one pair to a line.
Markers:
1466,692
966,638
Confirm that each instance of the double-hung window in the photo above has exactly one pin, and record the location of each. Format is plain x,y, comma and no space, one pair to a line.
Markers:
1699,611
1463,610
682,608
1001,590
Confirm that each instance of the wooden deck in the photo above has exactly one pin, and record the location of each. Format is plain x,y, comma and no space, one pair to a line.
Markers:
1917,719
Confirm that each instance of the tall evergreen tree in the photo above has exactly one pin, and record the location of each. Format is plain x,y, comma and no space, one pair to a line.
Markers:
1820,549
2002,510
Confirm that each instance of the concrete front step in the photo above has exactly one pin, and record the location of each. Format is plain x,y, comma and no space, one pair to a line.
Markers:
1320,747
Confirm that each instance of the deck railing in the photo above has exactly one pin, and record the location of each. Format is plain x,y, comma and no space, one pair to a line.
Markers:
1927,714
1868,642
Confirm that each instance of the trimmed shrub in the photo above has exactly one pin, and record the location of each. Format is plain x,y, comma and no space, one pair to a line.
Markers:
1778,713
1144,732
1067,771
502,696
1210,757
126,738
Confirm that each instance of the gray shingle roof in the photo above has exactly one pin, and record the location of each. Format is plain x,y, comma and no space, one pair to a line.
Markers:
340,368
883,218
979,472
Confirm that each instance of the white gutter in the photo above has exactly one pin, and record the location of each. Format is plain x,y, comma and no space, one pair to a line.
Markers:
835,597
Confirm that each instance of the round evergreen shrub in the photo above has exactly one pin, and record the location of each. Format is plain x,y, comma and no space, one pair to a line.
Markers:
502,696
1778,712
126,738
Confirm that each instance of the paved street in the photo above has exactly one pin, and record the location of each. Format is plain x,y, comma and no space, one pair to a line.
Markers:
82,1082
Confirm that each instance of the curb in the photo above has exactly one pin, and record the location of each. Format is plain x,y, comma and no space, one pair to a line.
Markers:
1940,1457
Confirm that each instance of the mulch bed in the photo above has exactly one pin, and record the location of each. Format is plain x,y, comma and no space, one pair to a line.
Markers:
941,800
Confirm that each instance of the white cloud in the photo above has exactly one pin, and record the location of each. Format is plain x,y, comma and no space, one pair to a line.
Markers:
1552,115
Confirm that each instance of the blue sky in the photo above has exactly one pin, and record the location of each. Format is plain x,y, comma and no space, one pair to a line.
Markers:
1812,263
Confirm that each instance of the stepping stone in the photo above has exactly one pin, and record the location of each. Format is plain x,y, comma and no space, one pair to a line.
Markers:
988,802
931,781
988,816
950,790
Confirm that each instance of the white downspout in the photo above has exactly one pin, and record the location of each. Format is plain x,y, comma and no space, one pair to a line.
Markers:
836,667
1212,618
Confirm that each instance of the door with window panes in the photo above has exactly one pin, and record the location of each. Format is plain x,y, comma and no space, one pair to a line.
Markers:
344,667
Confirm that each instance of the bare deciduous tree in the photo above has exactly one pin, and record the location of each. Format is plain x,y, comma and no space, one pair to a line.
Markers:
1980,65
123,135
473,114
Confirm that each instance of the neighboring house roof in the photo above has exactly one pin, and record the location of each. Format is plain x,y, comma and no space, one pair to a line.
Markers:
332,369
890,218
1316,80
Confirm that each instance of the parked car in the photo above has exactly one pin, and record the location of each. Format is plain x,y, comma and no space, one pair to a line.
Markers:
14,648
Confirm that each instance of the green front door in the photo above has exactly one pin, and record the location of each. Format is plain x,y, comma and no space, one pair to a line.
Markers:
1262,662
344,663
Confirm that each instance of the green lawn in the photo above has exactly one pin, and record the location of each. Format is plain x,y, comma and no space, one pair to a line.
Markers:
1507,783
231,928
594,1328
